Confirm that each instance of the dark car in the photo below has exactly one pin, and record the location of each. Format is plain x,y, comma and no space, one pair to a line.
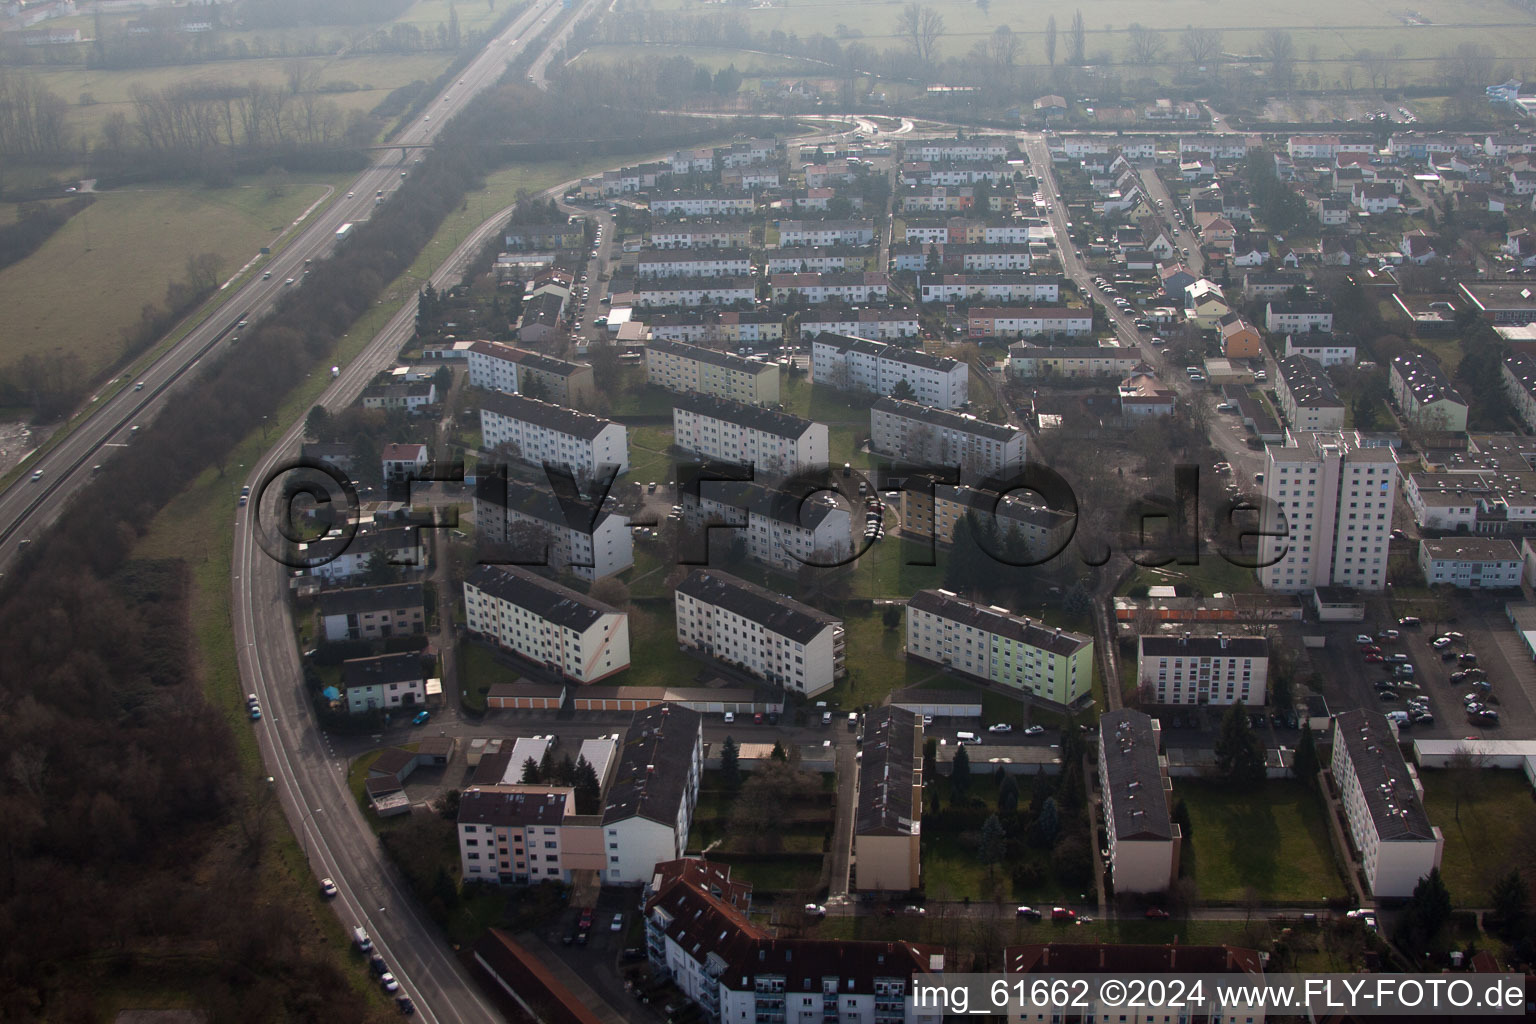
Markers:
376,963
1158,914
404,1003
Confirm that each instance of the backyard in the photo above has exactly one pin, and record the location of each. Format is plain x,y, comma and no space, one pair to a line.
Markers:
1494,832
1271,844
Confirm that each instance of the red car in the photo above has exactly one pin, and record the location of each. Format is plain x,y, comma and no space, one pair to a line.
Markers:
1063,914
586,919
1374,658
1370,649
1158,913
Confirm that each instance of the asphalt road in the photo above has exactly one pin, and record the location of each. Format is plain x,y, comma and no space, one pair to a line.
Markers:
29,506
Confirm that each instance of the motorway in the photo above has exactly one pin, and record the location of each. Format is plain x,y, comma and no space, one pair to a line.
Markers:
30,505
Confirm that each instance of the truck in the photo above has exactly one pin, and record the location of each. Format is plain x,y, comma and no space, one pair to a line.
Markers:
343,231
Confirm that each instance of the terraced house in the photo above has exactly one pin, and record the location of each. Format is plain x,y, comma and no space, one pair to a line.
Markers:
563,631
691,369
993,644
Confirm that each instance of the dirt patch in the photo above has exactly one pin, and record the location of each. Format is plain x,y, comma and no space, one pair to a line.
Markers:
17,441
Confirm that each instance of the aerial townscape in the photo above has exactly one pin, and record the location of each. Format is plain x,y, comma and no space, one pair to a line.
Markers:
591,512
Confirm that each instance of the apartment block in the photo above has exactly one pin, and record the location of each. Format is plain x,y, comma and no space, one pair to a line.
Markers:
541,529
1059,961
775,443
1519,373
1383,804
771,636
1071,362
1329,508
993,644
512,834
888,816
648,810
1203,670
1137,795
782,531
876,324
1299,317
918,433
1021,521
541,433
1471,563
689,368
862,364
371,613
498,367
1307,396
1327,349
563,631
1425,395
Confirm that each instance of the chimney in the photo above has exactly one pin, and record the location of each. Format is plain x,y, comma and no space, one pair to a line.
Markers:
1223,638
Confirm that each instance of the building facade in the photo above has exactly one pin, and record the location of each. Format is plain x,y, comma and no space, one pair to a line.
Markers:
565,632
1203,670
689,368
918,433
873,367
1383,805
993,644
1137,794
541,433
768,635
776,444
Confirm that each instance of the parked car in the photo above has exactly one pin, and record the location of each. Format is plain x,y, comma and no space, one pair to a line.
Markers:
617,924
1000,727
388,981
328,888
1063,914
1028,912
1364,639
815,910
403,1001
1158,914
1034,730
1440,643
421,717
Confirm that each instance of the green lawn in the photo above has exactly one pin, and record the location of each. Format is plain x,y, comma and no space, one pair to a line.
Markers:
648,454
479,671
132,243
1496,829
1273,841
653,654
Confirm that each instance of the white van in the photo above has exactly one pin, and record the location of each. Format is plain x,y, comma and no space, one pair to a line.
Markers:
361,940
968,738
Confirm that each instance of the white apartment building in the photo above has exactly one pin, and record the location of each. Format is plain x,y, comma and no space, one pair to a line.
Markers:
1144,841
705,371
1057,962
1071,361
700,235
780,530
702,205
513,833
1383,804
544,530
1028,321
689,263
815,260
1203,670
648,810
980,148
989,287
877,324
836,286
826,232
863,364
651,292
776,443
498,367
1425,395
1325,348
1519,373
542,433
773,637
1329,503
1297,317
552,626
1307,396
992,643
1471,563
914,432
384,682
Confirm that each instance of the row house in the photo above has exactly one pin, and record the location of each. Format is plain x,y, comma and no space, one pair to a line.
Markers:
565,235
540,433
653,292
863,364
371,613
705,204
1413,145
914,432
687,263
997,646
814,288
337,558
1212,146
937,199
545,529
1297,317
775,444
770,636
833,172
746,152
410,396
780,530
696,370
1325,147
1326,349
1269,284
1028,321
749,178
562,630
498,367
876,324
825,232
693,161
1036,362
712,328
980,148
922,172
701,235
818,259
819,199
998,287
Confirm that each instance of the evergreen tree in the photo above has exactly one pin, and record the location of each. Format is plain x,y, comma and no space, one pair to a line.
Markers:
730,764
1428,909
993,838
547,766
530,772
1181,819
902,391
1305,765
1509,898
1239,753
1040,792
1047,827
960,773
1008,796
779,753
589,790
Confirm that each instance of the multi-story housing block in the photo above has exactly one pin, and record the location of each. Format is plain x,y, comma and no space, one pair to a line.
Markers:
541,433
913,432
863,364
1203,670
993,644
768,635
776,444
561,630
704,371
1144,840
1383,805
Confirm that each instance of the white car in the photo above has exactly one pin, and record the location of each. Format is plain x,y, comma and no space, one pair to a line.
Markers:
1034,730
1000,727
37,475
815,910
388,981
730,716
327,888
1440,643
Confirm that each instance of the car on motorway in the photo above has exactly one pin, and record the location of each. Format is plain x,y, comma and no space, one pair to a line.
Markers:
37,475
139,386
267,276
421,718
255,712
350,194
288,282
1027,912
328,888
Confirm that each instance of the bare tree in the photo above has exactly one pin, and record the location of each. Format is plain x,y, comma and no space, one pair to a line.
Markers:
1464,768
1279,48
1003,49
1077,40
921,26
1146,45
1469,64
1050,40
1200,45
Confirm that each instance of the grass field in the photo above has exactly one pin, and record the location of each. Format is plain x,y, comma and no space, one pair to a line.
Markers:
1274,842
747,62
1494,833
132,243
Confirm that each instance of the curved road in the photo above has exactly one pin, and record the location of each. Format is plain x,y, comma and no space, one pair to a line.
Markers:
29,506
